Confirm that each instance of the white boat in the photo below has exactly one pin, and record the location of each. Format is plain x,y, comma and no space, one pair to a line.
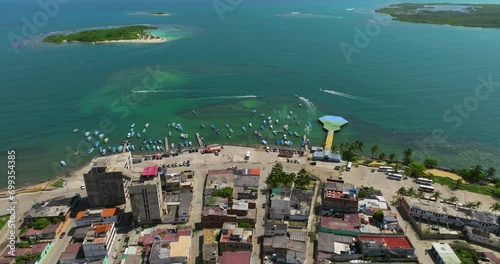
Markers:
271,127
75,130
146,125
133,125
103,152
172,145
264,122
264,142
96,132
76,153
183,136
250,124
106,140
128,135
277,121
63,163
87,133
101,136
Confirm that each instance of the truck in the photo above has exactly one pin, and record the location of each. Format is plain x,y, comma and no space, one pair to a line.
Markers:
247,156
211,149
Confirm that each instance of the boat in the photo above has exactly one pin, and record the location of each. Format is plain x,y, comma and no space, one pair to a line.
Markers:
146,125
100,149
183,136
263,114
227,126
96,132
285,127
262,127
181,144
264,142
250,124
218,131
275,132
132,134
172,145
190,143
290,133
162,148
159,140
90,150
153,147
144,141
231,130
76,153
271,127
298,122
133,125
254,111
212,126
260,135
87,133
169,133
141,147
244,129
202,125
144,131
291,112
282,142
113,149
138,135
186,143
96,143
300,105
120,148
264,122
75,130
148,147
276,121
106,140
150,141
131,130
296,134
173,124
194,112
63,163
287,117
168,124
89,138
103,152
132,147
228,135
128,135
284,136
127,148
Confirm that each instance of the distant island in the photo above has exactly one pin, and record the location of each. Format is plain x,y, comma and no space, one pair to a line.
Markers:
159,13
467,15
137,34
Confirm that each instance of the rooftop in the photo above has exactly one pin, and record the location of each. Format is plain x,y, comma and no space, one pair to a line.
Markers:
107,212
150,171
35,248
250,172
350,220
217,179
210,251
116,162
97,233
240,257
52,208
386,241
328,242
209,235
452,210
446,253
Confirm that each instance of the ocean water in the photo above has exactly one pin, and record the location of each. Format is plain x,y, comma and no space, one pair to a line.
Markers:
400,88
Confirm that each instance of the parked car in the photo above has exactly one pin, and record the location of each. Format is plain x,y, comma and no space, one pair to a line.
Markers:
264,205
82,186
313,163
337,168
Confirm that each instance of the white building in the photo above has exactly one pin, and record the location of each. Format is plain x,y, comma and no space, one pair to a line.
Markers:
482,237
99,241
451,215
444,254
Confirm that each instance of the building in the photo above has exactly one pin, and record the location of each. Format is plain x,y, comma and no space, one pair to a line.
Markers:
234,238
56,210
451,215
386,246
274,229
340,198
331,245
172,248
240,257
107,180
247,178
280,209
444,254
72,254
146,197
178,208
99,241
210,246
293,204
482,236
39,248
105,215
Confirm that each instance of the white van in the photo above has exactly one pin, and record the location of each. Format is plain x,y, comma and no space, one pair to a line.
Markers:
247,156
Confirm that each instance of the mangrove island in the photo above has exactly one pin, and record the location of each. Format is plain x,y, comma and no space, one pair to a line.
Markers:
120,34
467,15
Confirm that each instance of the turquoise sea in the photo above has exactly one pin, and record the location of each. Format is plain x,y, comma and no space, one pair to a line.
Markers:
404,85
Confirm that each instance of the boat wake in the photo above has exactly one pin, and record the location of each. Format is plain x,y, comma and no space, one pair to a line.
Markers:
237,97
311,108
157,91
353,97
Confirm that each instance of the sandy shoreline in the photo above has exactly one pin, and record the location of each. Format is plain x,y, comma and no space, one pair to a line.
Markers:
155,40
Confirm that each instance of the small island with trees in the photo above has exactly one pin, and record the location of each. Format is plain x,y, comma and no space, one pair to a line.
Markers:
139,34
467,15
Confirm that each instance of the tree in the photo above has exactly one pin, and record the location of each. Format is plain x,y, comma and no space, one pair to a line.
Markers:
27,258
275,176
495,207
453,199
490,173
41,223
402,191
430,163
459,183
411,192
477,204
381,156
244,225
470,204
303,179
436,195
374,150
407,156
420,195
378,215
476,173
416,169
392,157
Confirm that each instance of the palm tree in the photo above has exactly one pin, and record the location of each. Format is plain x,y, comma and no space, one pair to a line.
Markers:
360,146
458,183
302,179
411,192
436,195
420,195
476,172
392,157
374,150
490,173
495,207
402,191
407,156
470,204
453,199
381,156
477,204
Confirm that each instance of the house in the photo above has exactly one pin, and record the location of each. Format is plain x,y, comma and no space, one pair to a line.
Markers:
482,236
274,229
240,257
210,246
234,238
444,254
56,210
178,208
99,241
331,244
451,215
173,248
72,254
106,215
385,246
247,178
340,198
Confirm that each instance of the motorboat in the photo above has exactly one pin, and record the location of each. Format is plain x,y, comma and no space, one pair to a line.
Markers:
264,142
276,121
263,114
128,135
131,130
194,112
96,132
172,145
96,143
144,131
63,163
90,150
141,147
148,147
190,143
113,149
150,141
133,125
146,125
169,133
231,130
254,111
106,140
250,124
228,135
296,134
162,148
202,125
159,140
285,127
244,129
103,152
87,133
227,126
76,153
132,134
75,130
138,135
262,127
264,122
100,149
212,126
89,138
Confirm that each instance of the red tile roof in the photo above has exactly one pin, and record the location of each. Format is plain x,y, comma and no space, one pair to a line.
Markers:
80,215
73,248
31,232
109,212
390,241
150,171
35,248
251,172
240,257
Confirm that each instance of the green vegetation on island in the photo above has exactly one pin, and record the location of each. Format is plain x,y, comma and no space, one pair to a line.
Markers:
109,34
467,15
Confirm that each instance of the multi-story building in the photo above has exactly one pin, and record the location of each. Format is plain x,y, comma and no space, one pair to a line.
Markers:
247,178
340,198
107,180
173,248
210,246
293,204
178,208
146,197
386,246
99,241
57,210
444,254
105,215
234,238
451,215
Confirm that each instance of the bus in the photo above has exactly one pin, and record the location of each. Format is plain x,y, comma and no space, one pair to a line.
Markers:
349,166
426,188
385,168
395,176
424,181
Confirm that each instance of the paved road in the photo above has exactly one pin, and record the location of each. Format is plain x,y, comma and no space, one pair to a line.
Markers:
60,244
